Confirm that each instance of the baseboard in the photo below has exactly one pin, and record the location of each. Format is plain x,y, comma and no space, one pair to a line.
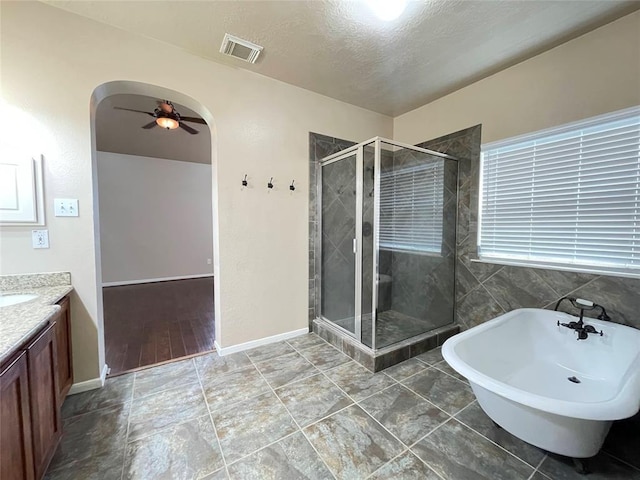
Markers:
92,384
260,342
153,280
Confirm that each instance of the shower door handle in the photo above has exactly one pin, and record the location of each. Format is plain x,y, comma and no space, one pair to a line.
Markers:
355,246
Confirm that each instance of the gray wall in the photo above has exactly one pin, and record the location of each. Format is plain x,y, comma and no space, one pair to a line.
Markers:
484,291
156,218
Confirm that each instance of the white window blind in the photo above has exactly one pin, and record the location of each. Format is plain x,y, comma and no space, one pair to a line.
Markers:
411,208
566,196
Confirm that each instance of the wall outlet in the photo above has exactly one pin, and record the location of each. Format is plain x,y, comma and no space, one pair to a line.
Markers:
209,261
65,207
40,238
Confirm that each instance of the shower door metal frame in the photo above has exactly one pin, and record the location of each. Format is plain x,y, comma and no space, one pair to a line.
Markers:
377,160
358,149
357,241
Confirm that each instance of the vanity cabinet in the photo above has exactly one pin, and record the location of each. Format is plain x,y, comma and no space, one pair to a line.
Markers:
16,460
33,384
44,392
63,341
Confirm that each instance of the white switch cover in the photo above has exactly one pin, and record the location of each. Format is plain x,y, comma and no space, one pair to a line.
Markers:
40,238
65,207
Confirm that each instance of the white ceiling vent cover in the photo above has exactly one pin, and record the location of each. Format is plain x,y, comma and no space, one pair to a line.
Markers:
239,48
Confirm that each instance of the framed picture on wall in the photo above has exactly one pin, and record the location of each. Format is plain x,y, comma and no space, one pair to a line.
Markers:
21,190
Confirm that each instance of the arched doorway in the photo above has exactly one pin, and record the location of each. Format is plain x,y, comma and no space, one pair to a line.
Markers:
154,223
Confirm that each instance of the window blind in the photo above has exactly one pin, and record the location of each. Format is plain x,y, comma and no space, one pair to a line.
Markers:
569,195
411,208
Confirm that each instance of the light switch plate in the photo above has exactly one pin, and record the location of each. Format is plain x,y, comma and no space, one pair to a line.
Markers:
40,238
65,207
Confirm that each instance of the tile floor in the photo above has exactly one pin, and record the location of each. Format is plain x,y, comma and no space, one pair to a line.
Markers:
302,410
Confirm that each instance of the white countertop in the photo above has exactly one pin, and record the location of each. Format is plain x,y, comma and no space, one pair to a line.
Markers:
19,322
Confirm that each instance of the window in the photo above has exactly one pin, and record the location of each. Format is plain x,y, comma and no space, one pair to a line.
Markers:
567,196
411,208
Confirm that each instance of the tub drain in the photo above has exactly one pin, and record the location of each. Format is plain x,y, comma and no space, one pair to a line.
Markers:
574,379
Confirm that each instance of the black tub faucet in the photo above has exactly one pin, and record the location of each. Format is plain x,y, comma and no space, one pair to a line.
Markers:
579,326
603,313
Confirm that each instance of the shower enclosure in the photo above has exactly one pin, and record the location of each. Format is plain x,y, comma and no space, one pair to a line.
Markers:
386,235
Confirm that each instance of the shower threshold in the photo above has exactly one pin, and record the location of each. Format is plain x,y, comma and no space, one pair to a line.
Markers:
391,327
381,358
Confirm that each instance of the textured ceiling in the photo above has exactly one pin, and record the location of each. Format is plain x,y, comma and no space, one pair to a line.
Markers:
340,49
118,131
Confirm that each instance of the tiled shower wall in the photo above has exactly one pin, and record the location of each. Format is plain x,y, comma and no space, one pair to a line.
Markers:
486,290
421,286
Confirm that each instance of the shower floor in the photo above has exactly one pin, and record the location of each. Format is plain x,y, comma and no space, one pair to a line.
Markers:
392,327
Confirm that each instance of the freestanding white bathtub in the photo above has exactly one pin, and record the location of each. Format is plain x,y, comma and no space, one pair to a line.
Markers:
519,366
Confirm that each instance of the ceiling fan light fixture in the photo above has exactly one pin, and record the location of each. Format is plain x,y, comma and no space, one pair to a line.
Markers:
387,10
168,123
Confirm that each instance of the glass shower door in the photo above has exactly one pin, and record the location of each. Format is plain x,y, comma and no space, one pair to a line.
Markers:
339,227
416,234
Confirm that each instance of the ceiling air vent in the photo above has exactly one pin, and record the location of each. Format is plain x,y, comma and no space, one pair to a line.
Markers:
239,48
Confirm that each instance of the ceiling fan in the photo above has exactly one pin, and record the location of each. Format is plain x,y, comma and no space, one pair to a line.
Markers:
167,117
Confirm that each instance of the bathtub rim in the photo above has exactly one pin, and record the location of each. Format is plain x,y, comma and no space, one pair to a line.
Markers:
624,404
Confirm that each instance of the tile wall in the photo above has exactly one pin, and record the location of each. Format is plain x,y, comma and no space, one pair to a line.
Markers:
484,291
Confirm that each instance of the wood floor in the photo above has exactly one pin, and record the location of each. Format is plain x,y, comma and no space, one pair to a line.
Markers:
152,323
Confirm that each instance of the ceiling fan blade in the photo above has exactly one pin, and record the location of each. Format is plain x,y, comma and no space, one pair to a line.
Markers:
149,125
131,110
192,131
193,120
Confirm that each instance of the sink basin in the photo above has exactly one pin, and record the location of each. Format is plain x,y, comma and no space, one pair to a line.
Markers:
15,298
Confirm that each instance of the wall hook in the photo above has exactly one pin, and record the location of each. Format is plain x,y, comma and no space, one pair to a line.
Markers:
291,187
270,184
244,181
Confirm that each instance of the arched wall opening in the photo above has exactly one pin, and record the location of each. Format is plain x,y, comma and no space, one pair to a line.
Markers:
138,88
